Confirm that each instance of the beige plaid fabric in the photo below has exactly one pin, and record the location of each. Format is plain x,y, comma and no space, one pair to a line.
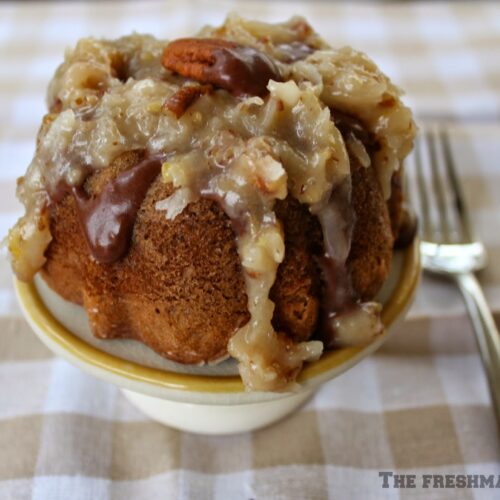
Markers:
418,406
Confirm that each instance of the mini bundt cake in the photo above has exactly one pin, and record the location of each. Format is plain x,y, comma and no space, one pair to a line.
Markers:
238,193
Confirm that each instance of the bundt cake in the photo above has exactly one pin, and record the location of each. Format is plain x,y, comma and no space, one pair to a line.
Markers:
234,194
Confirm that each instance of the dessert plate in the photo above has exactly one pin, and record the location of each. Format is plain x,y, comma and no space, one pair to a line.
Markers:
207,399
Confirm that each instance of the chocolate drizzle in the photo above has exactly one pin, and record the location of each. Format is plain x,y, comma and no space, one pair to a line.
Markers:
62,188
295,51
337,222
108,218
242,70
348,124
407,229
341,305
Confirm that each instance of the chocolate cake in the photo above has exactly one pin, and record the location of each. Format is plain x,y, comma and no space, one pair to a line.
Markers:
233,194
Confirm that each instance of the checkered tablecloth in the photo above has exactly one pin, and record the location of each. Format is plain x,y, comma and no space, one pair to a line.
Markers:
418,406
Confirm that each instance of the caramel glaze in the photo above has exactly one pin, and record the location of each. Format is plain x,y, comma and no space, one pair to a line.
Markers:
242,70
108,219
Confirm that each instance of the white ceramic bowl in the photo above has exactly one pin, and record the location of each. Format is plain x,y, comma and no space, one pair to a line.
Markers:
209,400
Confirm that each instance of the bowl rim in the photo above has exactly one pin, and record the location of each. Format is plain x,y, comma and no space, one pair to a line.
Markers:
40,317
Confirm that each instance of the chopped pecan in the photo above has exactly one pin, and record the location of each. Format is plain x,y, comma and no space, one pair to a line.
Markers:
184,97
56,106
240,69
303,28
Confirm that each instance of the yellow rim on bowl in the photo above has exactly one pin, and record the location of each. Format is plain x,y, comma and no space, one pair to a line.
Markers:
40,316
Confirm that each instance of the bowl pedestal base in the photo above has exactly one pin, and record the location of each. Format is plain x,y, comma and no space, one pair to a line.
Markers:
212,403
217,419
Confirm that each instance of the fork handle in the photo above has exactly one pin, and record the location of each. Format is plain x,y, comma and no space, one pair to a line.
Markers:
487,336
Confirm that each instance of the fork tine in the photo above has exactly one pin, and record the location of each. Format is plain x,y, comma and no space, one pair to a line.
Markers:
458,196
438,187
423,198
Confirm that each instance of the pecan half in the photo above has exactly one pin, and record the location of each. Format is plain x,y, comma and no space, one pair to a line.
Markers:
184,97
240,69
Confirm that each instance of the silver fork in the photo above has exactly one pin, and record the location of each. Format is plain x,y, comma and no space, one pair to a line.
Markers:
449,246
